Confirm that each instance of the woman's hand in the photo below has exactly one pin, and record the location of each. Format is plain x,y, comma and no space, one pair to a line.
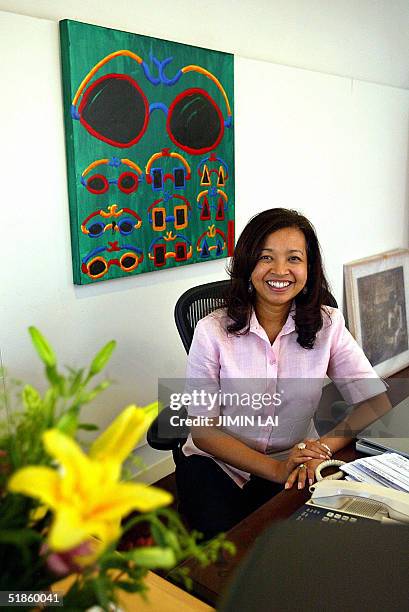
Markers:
304,475
313,450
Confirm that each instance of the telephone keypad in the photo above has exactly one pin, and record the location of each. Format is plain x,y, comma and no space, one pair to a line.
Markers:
309,513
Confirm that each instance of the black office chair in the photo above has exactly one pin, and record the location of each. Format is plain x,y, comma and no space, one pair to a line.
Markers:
192,306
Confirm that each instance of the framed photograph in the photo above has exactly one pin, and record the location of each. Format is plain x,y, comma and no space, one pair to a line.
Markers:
378,310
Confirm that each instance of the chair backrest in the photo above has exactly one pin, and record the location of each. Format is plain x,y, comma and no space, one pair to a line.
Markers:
200,301
195,304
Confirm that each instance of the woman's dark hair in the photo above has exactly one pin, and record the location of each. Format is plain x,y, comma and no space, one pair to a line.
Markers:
240,301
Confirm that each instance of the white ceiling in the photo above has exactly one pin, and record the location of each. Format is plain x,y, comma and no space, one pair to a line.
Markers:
363,39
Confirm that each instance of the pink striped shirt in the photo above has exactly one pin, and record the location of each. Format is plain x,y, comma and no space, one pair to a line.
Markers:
290,375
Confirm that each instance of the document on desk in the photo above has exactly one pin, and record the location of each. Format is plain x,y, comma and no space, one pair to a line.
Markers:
389,469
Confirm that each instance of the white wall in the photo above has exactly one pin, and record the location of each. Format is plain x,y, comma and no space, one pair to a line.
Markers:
333,147
364,39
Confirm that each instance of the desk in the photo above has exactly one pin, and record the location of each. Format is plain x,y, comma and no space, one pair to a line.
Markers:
210,582
161,595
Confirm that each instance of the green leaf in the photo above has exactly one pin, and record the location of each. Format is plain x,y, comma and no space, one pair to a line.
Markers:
68,423
42,347
114,562
152,557
101,358
31,398
158,535
181,575
101,387
50,398
53,376
129,587
102,591
88,426
22,539
85,398
19,537
172,541
76,381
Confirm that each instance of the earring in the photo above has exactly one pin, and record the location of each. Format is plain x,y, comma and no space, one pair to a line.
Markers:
305,290
250,288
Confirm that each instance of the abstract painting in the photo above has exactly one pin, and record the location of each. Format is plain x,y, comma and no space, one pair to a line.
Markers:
149,127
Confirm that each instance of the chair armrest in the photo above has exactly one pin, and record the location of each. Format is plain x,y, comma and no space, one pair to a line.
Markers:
162,435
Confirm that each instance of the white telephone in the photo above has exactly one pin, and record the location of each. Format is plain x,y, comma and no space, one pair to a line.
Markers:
360,499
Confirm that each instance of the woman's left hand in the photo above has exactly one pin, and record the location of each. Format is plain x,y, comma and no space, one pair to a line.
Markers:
304,475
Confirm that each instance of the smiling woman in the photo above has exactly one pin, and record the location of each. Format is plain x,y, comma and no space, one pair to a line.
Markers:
279,275
279,336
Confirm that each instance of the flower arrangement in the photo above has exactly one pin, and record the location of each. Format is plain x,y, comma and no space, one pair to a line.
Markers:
64,511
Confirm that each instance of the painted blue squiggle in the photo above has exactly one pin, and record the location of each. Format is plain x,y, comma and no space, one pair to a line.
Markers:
184,238
93,252
158,106
213,206
175,79
206,160
74,113
202,162
115,162
228,122
154,241
130,247
163,77
151,79
223,163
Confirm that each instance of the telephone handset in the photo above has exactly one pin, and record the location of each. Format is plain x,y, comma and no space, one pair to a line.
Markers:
361,499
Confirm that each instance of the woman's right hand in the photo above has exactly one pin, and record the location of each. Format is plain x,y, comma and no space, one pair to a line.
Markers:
313,450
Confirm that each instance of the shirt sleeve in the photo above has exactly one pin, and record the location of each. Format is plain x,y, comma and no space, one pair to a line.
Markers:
203,369
349,368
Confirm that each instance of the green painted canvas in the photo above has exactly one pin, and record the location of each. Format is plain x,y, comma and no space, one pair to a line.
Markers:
150,152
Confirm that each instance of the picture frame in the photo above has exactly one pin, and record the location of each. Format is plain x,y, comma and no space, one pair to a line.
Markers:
376,290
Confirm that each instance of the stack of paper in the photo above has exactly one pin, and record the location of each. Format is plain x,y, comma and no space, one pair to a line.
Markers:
388,469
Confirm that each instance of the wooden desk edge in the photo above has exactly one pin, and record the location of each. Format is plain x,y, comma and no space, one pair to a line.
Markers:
210,582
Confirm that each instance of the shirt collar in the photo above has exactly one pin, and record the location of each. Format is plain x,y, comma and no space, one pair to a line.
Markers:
288,327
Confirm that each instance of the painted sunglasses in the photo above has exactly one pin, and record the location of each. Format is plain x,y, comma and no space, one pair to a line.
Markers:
96,265
175,246
115,109
124,225
156,176
159,217
127,182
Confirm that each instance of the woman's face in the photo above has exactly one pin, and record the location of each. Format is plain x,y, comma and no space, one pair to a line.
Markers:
281,269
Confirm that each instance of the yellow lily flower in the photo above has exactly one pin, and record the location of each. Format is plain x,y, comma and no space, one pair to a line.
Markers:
121,437
86,495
